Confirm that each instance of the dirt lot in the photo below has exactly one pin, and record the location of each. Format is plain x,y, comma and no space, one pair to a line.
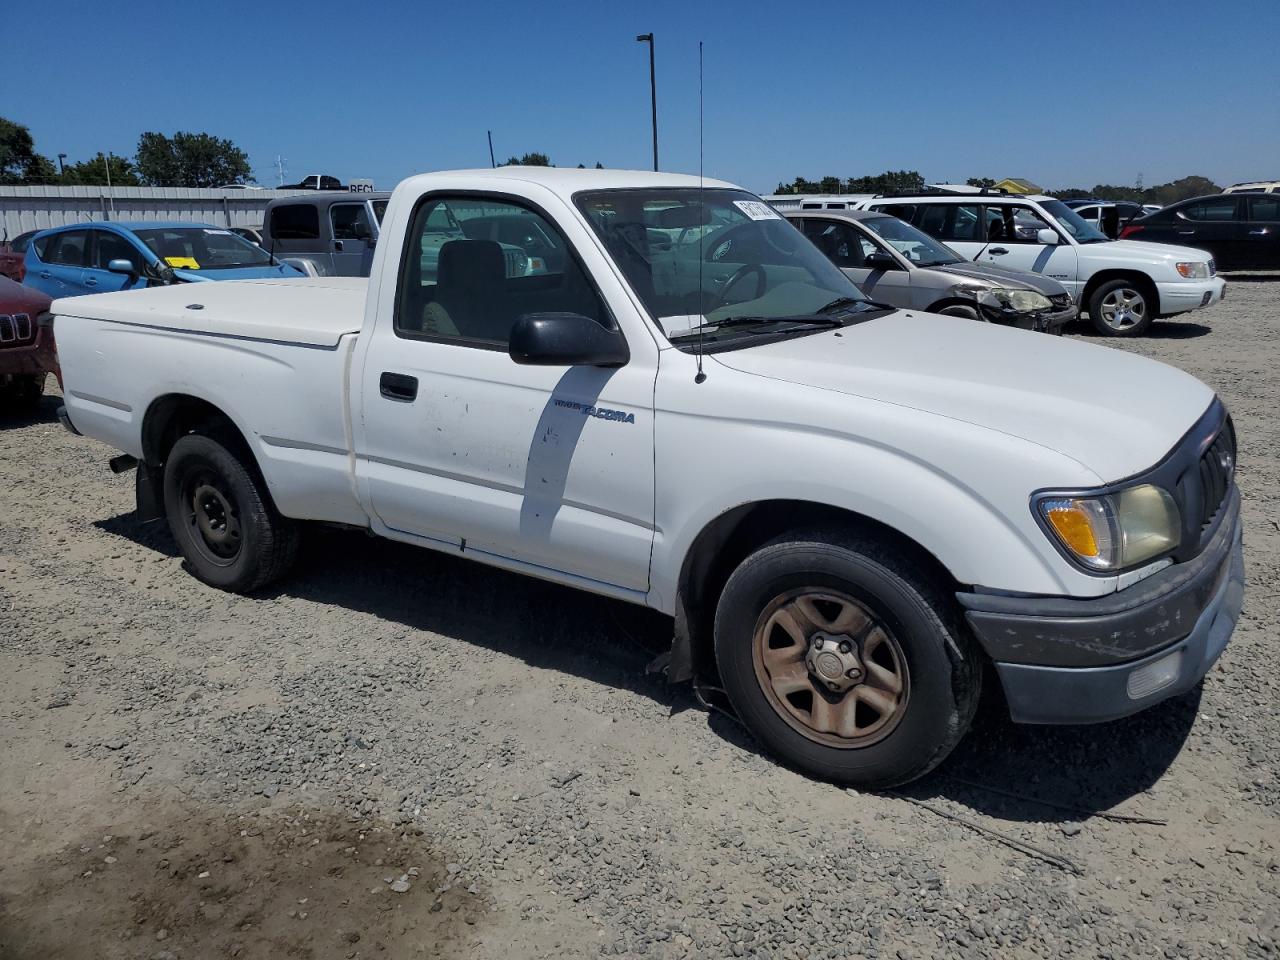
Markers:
397,754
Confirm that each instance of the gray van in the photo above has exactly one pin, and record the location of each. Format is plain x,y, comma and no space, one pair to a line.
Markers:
327,234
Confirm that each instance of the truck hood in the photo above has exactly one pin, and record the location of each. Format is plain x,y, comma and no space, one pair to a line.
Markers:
314,312
1114,413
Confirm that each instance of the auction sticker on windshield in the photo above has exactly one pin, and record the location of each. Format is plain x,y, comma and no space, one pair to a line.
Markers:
757,209
182,263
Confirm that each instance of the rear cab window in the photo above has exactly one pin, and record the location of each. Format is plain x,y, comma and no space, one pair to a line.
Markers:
294,221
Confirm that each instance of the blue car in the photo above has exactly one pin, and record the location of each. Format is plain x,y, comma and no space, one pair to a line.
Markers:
102,257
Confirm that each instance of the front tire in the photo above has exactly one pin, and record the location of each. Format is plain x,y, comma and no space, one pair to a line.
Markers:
222,517
967,313
1122,308
845,662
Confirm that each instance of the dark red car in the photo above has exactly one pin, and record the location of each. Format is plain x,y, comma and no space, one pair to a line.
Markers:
13,256
27,352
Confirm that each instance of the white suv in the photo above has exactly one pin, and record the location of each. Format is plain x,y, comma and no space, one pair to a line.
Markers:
1122,284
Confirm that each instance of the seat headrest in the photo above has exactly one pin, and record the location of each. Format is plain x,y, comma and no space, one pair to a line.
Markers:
472,265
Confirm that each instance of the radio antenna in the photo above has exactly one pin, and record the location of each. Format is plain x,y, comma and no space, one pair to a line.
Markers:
702,233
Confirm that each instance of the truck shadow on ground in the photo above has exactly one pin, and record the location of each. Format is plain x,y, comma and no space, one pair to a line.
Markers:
1080,769
1159,330
45,412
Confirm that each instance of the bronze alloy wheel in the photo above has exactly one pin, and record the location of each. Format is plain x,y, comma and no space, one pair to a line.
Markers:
830,668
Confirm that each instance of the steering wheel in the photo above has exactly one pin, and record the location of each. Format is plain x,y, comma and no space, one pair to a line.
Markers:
738,275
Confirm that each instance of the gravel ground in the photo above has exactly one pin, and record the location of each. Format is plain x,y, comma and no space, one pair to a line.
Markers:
400,754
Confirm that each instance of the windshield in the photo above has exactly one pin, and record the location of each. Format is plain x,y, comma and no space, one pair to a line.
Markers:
1081,230
708,256
203,248
918,247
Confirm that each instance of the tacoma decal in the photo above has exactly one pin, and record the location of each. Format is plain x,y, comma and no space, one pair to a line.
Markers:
587,410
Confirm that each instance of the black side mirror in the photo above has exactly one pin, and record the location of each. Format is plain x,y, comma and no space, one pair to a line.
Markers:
879,260
566,339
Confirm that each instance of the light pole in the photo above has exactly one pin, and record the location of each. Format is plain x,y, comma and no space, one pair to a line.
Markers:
62,170
653,94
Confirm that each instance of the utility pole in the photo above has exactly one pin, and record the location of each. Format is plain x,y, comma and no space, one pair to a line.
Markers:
110,195
653,93
281,163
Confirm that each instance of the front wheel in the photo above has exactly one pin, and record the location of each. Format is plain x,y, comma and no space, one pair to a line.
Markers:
1121,308
844,662
222,517
957,310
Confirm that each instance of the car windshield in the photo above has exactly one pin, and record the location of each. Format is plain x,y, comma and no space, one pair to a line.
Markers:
918,247
202,248
1081,230
702,257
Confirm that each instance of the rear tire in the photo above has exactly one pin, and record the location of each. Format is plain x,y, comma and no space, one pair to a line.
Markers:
917,673
1122,308
222,517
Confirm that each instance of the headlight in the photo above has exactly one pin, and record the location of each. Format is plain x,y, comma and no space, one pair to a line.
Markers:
1019,301
1194,271
1114,531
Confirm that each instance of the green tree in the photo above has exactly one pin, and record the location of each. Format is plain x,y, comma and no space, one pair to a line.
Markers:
94,172
531,160
19,162
189,160
1172,192
891,181
983,182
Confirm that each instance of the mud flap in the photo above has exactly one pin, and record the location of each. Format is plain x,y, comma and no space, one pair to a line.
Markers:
146,489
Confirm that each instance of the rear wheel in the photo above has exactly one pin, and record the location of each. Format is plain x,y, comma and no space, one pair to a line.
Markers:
222,516
844,661
1121,308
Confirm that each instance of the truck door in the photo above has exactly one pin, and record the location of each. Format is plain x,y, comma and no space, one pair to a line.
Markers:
548,466
352,232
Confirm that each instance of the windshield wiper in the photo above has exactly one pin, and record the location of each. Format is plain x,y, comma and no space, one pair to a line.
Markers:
803,320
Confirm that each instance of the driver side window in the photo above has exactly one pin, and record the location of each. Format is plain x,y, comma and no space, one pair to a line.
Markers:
459,285
839,242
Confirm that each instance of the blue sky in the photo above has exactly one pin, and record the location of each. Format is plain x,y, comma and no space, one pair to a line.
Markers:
1066,93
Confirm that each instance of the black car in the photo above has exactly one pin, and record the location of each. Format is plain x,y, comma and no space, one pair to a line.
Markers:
1109,216
1241,230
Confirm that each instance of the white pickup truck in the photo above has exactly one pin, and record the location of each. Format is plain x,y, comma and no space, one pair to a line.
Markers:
849,511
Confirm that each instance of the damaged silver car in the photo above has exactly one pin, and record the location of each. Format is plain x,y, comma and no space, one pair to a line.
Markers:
894,263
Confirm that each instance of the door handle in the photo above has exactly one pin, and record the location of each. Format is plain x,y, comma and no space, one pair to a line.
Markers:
45,274
1260,232
398,386
91,281
337,245
1186,233
997,251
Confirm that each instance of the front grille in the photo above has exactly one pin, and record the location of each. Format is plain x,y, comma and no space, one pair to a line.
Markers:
1217,467
16,328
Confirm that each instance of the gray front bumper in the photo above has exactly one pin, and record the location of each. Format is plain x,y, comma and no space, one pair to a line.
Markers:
1039,694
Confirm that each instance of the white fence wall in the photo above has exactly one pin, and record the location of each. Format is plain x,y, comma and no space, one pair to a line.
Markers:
37,208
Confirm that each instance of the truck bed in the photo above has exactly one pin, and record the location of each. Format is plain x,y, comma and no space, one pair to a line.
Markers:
314,312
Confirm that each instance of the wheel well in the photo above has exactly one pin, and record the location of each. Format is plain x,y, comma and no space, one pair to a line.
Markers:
950,302
175,415
1134,276
729,539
